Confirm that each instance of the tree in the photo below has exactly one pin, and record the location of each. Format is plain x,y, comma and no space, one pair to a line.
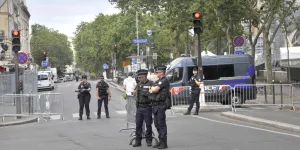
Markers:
55,44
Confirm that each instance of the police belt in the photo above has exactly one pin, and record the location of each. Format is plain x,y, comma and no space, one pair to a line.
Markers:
144,105
195,89
157,103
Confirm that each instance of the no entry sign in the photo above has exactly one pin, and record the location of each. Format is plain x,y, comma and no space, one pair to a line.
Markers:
22,58
238,41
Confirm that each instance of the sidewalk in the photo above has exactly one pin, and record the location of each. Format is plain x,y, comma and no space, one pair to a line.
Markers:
10,121
282,119
118,87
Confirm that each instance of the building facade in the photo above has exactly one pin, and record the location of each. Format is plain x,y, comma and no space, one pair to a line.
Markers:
14,14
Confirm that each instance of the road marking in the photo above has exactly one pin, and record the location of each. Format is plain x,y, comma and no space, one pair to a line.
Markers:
102,113
122,112
55,117
255,128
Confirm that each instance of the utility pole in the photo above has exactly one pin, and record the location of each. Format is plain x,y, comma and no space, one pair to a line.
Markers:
137,36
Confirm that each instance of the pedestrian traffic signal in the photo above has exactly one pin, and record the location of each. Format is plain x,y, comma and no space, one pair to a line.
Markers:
16,42
197,20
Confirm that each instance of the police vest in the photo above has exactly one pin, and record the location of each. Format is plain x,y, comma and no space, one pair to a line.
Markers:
163,94
143,93
193,84
102,89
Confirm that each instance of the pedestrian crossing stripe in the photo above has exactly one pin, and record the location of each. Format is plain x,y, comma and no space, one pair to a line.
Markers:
122,112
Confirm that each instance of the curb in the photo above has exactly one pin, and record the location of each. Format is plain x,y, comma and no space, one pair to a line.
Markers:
23,121
183,109
275,124
116,86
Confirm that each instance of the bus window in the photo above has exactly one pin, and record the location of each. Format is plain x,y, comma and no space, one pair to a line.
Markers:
226,70
210,72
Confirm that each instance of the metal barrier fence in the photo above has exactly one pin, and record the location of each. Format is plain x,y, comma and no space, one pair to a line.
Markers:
296,95
213,96
46,106
264,94
8,83
131,120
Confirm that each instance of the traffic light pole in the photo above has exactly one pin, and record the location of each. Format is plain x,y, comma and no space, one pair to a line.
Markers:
200,69
17,98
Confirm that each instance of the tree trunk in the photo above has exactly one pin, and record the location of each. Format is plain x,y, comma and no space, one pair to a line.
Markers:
171,44
268,55
229,39
177,38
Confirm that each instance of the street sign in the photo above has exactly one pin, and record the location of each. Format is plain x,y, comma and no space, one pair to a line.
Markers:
149,32
135,41
105,66
44,64
22,58
154,56
238,50
238,41
133,61
152,46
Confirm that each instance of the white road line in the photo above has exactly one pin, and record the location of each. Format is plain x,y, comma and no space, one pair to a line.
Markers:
255,128
102,113
122,112
55,117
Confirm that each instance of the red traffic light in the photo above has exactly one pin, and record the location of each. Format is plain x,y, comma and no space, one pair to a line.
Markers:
115,46
44,53
16,33
197,15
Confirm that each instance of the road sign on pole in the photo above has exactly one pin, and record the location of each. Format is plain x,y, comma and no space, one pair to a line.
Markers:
105,66
135,41
44,63
238,50
22,58
149,32
238,41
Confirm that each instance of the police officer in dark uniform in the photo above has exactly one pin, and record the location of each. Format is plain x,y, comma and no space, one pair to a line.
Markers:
84,97
144,108
103,95
159,106
195,92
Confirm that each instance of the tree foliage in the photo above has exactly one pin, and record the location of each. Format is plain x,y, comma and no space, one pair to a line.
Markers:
55,44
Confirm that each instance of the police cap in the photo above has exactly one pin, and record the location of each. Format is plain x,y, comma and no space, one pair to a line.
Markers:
195,69
162,67
84,77
142,72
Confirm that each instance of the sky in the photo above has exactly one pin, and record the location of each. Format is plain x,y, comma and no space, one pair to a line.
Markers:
65,15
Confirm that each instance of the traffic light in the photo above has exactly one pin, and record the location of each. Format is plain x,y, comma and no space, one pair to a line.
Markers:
44,56
16,41
115,47
197,20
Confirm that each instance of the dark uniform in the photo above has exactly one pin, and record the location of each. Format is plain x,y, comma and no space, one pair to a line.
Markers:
195,92
159,106
144,110
84,97
103,94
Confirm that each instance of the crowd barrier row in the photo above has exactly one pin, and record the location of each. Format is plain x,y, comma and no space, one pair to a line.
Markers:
44,106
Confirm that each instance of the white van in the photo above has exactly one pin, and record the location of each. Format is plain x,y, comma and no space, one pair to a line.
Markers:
45,81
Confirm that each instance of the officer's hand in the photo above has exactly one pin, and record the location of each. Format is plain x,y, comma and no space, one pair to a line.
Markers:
133,92
109,98
98,97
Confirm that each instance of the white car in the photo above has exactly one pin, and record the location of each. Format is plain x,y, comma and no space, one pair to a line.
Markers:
45,81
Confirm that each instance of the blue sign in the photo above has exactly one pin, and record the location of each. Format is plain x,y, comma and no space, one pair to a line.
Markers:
135,41
238,52
133,61
22,58
238,41
105,66
44,63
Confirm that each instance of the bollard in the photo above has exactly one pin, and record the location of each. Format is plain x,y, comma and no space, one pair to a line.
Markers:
281,94
273,92
266,94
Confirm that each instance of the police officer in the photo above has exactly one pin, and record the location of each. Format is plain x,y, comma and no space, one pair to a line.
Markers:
195,91
103,95
159,106
144,108
84,97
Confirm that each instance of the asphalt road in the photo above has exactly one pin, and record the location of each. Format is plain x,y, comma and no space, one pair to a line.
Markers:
208,131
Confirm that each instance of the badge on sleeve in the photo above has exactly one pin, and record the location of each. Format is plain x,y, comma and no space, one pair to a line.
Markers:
159,83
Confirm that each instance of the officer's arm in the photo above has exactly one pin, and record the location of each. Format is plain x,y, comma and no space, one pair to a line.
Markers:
159,86
108,91
78,88
197,82
89,87
97,94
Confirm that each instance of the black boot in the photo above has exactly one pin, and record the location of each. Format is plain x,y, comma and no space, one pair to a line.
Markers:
163,145
157,145
80,118
187,113
98,117
88,117
196,112
107,115
149,143
137,144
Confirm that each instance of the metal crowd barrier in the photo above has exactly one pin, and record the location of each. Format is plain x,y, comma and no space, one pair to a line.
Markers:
131,120
46,106
265,95
213,96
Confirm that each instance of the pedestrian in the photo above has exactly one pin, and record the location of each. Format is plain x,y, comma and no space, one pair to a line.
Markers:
129,84
84,97
195,92
103,96
159,106
144,109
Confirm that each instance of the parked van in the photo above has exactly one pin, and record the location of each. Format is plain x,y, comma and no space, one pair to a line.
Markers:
227,70
45,81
